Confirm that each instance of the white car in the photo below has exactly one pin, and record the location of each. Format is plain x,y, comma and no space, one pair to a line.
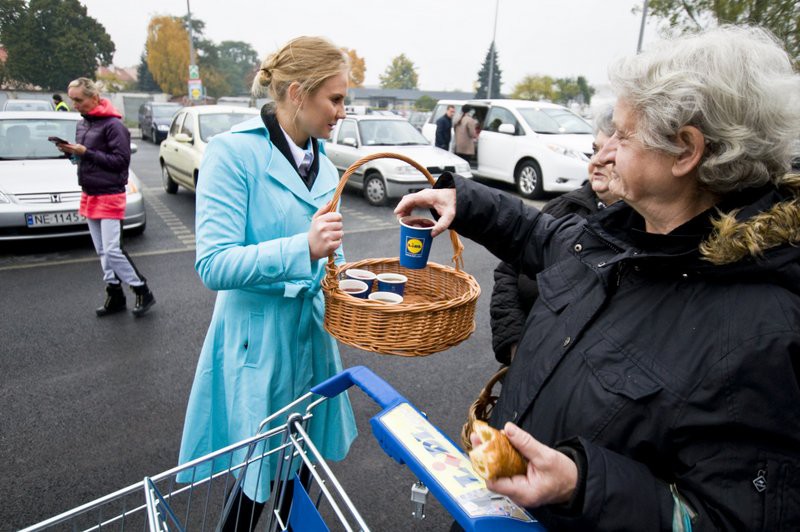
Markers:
192,128
39,192
360,135
538,146
28,105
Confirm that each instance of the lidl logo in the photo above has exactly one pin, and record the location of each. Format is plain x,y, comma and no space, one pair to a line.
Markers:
414,246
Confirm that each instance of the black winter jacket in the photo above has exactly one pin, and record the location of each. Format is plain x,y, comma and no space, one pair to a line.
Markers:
103,169
513,293
658,366
444,132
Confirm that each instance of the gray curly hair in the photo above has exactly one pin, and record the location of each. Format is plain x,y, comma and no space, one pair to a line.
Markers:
735,84
604,121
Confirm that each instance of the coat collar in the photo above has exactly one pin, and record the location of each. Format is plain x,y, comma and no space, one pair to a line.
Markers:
282,171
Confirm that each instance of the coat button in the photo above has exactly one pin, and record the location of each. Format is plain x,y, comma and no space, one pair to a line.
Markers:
601,264
578,248
567,340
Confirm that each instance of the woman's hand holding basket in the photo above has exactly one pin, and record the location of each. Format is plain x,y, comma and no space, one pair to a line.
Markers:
325,234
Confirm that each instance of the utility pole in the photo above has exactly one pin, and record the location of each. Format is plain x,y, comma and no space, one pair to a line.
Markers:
189,28
641,28
491,53
195,83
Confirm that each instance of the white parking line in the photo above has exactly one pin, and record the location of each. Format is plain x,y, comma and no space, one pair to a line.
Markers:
93,259
179,230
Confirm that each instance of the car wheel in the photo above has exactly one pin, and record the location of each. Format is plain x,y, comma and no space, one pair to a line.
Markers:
375,189
170,186
529,180
136,231
154,135
144,135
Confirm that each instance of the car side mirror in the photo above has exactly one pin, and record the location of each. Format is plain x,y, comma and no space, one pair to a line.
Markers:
350,141
508,129
182,137
134,148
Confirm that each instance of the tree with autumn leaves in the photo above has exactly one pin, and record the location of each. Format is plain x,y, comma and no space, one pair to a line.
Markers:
226,68
357,68
167,54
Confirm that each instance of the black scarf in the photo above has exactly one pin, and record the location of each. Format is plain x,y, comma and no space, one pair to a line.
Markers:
279,141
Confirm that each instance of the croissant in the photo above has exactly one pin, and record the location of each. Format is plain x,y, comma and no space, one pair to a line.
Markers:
495,456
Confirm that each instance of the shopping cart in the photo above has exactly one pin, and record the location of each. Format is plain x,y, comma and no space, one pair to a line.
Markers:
306,495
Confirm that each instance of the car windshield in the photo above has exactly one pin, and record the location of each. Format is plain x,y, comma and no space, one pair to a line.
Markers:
555,121
12,105
389,133
27,138
216,123
165,111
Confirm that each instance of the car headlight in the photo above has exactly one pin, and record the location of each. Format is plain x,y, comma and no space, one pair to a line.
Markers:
4,198
462,168
163,127
566,152
407,169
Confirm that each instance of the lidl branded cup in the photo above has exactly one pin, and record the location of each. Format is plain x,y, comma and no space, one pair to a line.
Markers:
355,288
392,282
415,241
390,298
361,275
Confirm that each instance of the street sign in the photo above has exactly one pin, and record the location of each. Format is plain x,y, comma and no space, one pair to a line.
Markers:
194,72
195,89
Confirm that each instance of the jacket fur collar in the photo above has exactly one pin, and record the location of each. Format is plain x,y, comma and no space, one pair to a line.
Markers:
750,231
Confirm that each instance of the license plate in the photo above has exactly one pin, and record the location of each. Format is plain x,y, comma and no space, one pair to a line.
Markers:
55,218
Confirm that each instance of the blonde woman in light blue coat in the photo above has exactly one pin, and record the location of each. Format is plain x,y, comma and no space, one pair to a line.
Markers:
262,243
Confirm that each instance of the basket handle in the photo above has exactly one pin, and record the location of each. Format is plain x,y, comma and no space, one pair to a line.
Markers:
458,247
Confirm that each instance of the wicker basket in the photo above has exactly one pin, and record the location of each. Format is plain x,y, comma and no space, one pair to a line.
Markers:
482,408
438,308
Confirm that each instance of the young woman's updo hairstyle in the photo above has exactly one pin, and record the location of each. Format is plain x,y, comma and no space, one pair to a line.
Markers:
307,60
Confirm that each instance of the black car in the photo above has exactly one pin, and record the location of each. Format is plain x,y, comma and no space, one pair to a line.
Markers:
155,118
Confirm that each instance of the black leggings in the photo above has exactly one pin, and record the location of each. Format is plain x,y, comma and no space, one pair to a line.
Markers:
245,512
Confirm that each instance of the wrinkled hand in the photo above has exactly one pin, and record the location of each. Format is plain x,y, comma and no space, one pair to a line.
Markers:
442,200
72,149
551,479
325,233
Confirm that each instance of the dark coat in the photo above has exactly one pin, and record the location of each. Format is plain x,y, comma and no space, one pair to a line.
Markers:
514,292
103,169
656,365
443,132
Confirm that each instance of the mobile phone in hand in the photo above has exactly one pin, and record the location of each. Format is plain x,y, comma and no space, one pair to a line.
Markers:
57,140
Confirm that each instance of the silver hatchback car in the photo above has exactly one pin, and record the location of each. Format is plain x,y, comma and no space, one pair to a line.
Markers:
39,192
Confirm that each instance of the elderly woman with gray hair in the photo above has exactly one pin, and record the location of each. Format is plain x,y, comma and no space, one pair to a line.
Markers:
657,383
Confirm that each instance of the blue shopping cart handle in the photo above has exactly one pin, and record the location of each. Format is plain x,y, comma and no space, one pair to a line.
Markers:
376,388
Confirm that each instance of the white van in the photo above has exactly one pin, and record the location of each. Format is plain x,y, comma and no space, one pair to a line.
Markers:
538,146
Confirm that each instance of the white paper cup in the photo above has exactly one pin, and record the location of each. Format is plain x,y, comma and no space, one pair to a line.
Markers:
354,288
390,298
392,282
360,275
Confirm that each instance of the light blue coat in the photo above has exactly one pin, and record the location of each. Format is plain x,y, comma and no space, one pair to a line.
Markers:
266,345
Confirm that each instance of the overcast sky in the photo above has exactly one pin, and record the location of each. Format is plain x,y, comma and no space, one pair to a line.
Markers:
446,39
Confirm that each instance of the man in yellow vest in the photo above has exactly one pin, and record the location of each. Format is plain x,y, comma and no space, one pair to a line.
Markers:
59,103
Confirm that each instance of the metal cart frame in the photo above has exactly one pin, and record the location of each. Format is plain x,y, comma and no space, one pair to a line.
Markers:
162,503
